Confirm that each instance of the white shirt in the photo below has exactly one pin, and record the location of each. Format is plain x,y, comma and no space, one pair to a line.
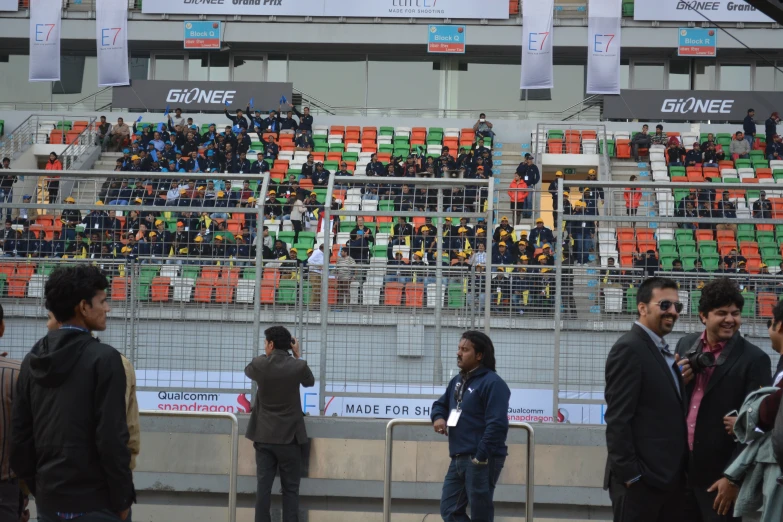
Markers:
297,210
177,121
172,194
316,261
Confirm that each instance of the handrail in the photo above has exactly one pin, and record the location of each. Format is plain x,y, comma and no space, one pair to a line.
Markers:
234,457
80,144
387,477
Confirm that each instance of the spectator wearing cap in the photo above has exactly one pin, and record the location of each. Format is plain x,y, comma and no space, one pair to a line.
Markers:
762,207
739,146
425,242
529,173
771,126
659,138
632,196
592,194
22,215
582,230
503,227
501,290
540,235
675,152
238,120
96,220
119,134
774,149
749,128
518,191
693,157
320,177
641,140
501,254
727,209
156,248
199,249
70,217
553,192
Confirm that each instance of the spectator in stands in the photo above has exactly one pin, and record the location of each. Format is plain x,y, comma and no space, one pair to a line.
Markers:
238,120
518,191
289,123
483,127
641,140
774,149
345,269
503,227
740,146
592,195
74,376
709,141
7,186
304,142
693,156
583,232
733,259
119,134
70,217
749,128
647,262
320,177
540,235
771,126
727,209
305,120
675,152
762,207
529,173
677,266
308,167
712,156
632,196
177,118
103,133
11,243
688,211
659,138
53,181
22,215
553,192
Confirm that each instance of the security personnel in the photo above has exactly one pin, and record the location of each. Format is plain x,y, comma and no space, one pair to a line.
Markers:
540,235
504,226
501,255
553,193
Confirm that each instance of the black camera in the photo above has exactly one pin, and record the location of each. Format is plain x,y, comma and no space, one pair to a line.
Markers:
700,360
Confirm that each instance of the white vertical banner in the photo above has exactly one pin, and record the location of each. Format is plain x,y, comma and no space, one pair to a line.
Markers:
603,46
45,22
537,36
111,26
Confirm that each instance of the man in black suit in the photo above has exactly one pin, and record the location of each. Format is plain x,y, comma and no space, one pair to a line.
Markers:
711,392
276,425
646,436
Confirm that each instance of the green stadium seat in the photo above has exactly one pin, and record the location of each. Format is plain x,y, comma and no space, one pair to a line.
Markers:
749,310
386,131
667,247
456,296
695,297
609,144
667,261
683,234
688,261
336,147
710,263
708,247
630,300
347,225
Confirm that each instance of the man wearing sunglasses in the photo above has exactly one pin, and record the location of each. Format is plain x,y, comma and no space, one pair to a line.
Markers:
646,437
713,390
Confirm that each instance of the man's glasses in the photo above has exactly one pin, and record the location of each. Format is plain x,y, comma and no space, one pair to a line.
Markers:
666,304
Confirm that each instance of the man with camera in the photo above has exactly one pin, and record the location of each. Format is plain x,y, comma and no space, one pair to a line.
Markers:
719,369
646,438
276,425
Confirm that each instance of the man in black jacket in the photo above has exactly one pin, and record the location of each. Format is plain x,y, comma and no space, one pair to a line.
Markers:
69,430
646,436
711,392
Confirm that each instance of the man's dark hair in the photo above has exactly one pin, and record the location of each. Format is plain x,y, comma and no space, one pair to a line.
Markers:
69,286
676,261
279,336
482,344
718,293
777,313
644,295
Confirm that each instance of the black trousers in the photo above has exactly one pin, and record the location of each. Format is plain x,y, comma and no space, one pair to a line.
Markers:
10,501
287,459
644,503
698,503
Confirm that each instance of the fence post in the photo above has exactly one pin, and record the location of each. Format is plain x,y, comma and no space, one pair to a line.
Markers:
259,270
131,281
327,232
559,251
437,368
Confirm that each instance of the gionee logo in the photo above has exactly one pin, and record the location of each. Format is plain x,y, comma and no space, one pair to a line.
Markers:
600,41
106,35
42,32
414,3
533,40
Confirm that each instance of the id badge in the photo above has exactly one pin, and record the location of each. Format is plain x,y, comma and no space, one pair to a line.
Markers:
453,418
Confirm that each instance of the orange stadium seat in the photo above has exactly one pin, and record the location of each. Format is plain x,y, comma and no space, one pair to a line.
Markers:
25,270
119,289
224,291
647,244
393,294
414,295
369,133
704,235
626,247
645,234
626,234
17,286
767,303
160,289
268,287
57,136
623,148
203,290
210,272
555,146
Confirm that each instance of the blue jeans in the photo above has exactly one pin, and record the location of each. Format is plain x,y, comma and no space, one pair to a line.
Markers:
582,245
750,140
468,483
7,197
527,207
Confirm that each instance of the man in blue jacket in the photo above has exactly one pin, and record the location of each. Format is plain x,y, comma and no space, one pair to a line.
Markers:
749,127
474,414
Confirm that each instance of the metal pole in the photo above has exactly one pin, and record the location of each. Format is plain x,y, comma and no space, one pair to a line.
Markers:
327,231
232,469
437,368
130,279
558,298
488,269
259,270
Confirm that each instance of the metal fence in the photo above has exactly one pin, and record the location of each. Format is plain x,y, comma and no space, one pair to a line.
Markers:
193,286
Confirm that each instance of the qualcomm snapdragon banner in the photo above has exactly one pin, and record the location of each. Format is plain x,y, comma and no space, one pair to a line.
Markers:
45,23
603,47
537,36
111,25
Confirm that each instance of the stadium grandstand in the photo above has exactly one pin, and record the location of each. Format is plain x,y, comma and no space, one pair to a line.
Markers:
341,171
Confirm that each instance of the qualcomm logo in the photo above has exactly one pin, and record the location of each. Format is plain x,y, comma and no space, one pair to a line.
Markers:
196,95
696,105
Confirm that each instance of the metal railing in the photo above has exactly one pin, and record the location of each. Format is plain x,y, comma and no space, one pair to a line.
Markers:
387,477
233,455
100,100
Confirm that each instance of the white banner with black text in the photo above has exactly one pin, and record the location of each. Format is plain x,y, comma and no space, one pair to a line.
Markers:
603,47
45,23
537,36
111,26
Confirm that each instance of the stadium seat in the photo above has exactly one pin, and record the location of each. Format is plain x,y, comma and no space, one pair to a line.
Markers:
393,293
119,289
17,286
160,289
203,290
414,295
